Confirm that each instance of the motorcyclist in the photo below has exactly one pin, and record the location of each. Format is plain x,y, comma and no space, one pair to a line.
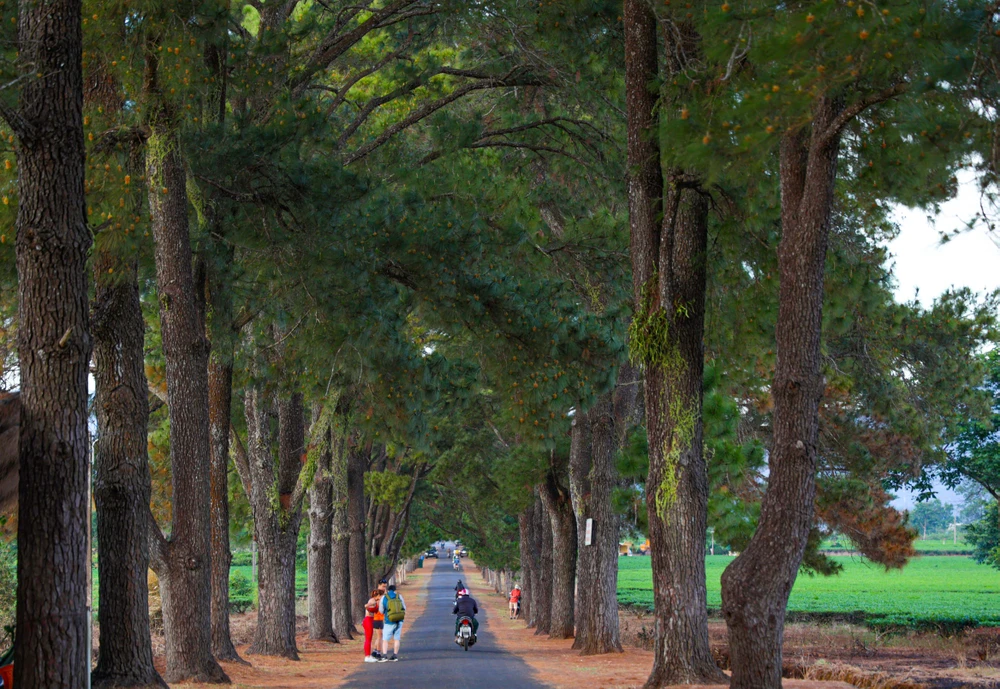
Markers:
466,606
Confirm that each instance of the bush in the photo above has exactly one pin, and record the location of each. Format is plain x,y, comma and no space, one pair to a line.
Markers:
241,592
242,558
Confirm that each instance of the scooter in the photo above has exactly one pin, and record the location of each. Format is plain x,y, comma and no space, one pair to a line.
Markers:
454,564
465,638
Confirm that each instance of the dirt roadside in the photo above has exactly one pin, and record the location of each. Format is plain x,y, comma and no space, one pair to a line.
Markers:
321,665
557,664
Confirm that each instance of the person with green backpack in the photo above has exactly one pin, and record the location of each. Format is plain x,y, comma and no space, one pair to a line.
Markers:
394,609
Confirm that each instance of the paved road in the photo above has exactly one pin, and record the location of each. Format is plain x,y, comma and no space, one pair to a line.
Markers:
429,657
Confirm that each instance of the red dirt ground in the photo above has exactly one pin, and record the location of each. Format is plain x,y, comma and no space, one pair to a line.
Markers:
557,664
322,665
817,655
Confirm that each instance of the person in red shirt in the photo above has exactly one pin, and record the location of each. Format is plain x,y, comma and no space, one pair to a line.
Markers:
371,607
515,602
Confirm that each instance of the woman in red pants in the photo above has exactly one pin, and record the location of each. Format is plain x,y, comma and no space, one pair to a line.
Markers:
369,624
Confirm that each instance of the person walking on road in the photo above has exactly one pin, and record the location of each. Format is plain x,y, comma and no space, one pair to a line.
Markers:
369,624
394,609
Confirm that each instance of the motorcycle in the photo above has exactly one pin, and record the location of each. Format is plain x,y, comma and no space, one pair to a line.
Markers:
454,564
465,638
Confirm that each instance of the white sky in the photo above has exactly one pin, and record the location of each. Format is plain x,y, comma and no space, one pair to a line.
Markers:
921,262
924,267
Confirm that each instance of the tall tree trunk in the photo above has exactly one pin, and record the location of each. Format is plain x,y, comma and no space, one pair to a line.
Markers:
340,568
645,179
320,514
220,396
340,575
220,371
677,498
53,350
756,585
184,563
543,599
529,563
122,479
559,509
579,485
668,270
592,480
276,525
10,419
357,463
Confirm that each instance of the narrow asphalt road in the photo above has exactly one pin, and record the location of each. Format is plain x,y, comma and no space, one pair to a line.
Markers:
429,658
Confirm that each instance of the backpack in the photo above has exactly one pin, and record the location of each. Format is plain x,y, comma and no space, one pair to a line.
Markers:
394,610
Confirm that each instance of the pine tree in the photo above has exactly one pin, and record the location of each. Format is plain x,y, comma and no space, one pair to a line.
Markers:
806,78
669,226
54,346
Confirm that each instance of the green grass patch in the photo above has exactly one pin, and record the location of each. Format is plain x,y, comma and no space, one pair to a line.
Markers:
943,594
301,578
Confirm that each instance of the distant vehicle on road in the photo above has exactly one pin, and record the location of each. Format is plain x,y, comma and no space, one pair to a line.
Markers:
431,553
463,552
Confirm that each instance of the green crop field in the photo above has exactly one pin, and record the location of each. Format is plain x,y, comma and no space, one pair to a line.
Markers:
934,593
934,546
938,545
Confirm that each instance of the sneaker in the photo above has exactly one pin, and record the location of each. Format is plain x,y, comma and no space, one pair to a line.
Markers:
394,657
382,659
371,659
376,655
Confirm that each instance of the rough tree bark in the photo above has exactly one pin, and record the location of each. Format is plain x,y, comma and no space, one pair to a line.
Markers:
10,418
220,369
559,508
592,480
220,397
122,478
340,569
756,585
677,499
668,270
357,464
53,350
529,563
183,563
276,526
340,535
543,599
320,513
